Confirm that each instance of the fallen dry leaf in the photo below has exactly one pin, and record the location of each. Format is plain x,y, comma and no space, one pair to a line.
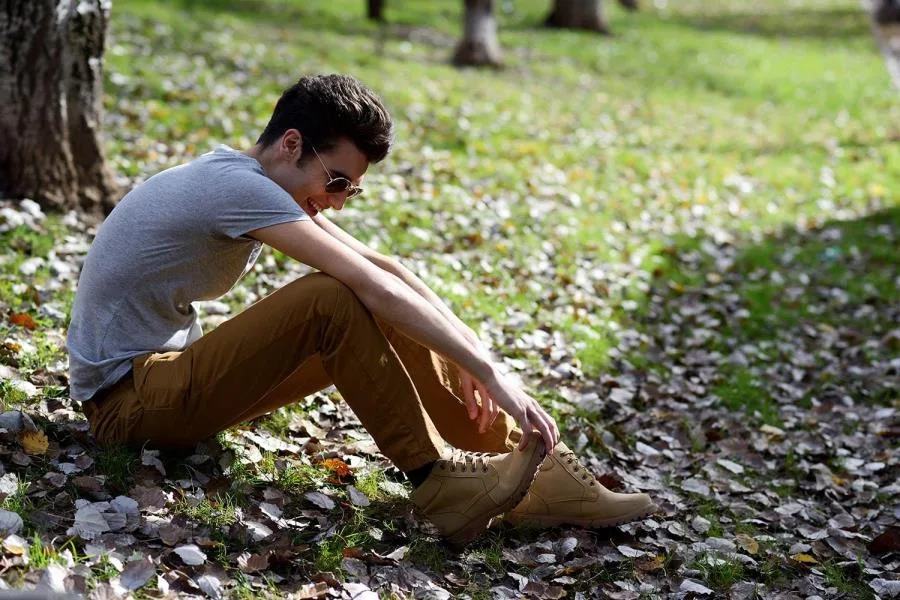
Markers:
804,558
23,320
34,442
337,466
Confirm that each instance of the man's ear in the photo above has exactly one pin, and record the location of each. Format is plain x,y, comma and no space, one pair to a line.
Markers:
292,145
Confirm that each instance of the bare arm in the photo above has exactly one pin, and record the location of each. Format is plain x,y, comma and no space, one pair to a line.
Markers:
396,268
485,411
387,297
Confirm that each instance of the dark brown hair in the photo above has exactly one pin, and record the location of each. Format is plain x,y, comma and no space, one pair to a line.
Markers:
325,108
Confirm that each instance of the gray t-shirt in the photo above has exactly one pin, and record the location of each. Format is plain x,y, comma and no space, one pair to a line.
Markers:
176,238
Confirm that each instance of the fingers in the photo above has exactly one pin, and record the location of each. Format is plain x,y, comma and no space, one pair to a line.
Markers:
489,408
547,427
526,426
485,419
469,396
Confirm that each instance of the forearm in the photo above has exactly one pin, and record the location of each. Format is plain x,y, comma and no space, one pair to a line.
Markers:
418,286
413,315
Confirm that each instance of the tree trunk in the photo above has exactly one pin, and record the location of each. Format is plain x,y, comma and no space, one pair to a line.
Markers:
577,14
479,45
376,10
888,12
51,57
629,4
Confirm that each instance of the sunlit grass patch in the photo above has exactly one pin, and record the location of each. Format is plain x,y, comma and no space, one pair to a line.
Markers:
12,396
720,571
742,390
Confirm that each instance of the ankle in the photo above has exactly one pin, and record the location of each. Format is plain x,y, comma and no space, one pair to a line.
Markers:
418,475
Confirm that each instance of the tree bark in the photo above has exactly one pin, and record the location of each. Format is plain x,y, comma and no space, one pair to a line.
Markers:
375,10
577,14
51,57
888,11
479,45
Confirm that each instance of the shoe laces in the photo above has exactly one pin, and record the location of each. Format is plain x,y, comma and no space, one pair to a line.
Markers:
467,461
577,468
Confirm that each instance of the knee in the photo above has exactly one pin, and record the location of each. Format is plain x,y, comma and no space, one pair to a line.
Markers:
335,296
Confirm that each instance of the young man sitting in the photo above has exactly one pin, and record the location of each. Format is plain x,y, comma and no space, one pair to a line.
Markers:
407,366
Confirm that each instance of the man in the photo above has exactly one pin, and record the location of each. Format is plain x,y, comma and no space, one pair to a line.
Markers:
407,366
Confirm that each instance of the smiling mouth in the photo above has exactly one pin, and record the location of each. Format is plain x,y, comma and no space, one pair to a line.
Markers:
315,206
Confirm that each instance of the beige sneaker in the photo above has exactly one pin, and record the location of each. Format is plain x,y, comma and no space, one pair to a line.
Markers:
565,493
466,490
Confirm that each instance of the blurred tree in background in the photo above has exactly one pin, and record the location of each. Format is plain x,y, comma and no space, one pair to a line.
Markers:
578,14
50,89
479,44
888,12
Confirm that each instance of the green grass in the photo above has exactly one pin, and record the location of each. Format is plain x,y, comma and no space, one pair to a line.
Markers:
42,554
741,390
215,514
711,510
846,578
117,464
719,571
19,502
11,396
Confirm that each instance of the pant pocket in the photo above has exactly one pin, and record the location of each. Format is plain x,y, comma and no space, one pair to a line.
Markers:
112,422
162,387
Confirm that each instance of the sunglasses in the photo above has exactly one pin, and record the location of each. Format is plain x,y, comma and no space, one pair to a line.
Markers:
336,185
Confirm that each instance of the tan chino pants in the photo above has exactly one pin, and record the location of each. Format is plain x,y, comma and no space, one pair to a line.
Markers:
300,339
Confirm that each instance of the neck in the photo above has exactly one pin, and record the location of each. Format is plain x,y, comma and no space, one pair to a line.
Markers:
259,153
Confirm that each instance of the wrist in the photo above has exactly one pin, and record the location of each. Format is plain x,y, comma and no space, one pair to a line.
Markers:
491,377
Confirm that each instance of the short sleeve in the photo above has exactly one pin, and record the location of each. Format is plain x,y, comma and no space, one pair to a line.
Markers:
252,201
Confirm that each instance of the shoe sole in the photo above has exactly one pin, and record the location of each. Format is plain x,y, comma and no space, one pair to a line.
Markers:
469,533
546,522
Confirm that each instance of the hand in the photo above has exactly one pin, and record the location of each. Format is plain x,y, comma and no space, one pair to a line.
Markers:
487,411
529,415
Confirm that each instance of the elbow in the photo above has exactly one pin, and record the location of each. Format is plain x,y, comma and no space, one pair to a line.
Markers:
382,295
388,264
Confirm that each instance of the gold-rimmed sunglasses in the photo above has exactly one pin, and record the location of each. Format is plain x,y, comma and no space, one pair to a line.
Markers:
336,185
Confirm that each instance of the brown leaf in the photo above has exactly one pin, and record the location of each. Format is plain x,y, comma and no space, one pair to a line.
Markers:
746,542
149,496
34,442
171,534
337,466
653,564
20,458
888,541
87,483
311,590
23,320
252,563
610,481
353,552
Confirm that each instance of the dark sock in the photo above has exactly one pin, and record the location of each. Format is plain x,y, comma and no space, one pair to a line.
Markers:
418,476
